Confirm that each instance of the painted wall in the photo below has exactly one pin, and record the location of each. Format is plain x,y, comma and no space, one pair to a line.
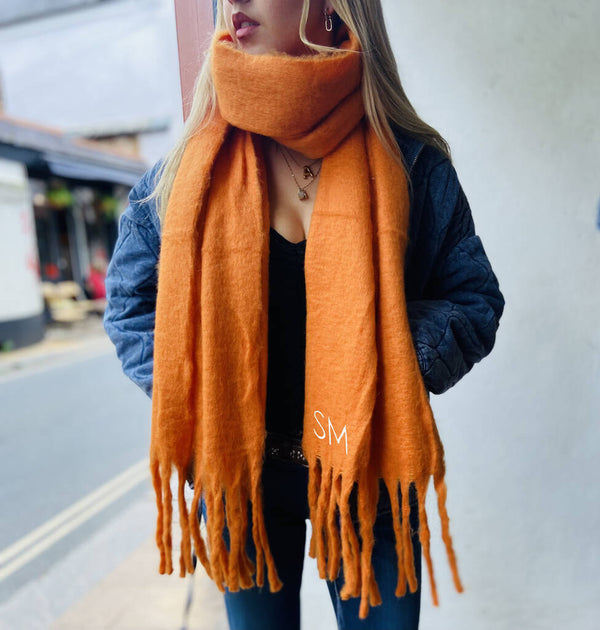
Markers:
514,88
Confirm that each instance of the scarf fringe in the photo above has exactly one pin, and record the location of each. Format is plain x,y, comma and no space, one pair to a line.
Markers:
335,543
356,321
231,569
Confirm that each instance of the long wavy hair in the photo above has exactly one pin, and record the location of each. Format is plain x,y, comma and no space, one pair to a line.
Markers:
386,103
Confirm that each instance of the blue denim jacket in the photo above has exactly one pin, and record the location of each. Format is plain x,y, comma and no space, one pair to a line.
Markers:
453,298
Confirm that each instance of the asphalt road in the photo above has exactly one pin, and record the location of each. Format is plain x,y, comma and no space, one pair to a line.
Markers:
66,432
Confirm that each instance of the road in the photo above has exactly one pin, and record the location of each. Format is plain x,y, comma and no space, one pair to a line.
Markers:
72,432
74,440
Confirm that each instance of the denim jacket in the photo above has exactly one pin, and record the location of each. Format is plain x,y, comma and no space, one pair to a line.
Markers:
453,299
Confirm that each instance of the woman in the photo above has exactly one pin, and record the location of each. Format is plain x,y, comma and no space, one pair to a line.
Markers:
319,275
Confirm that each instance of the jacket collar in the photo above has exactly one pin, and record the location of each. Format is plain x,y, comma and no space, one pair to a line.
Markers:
410,146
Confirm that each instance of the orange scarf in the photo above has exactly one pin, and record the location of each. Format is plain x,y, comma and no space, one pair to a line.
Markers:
367,415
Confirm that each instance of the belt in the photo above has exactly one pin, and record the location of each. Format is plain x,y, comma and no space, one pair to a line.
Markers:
284,448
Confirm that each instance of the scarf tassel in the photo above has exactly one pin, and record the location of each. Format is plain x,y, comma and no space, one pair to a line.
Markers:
231,568
335,543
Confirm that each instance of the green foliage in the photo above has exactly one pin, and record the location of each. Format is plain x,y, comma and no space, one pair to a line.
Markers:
59,197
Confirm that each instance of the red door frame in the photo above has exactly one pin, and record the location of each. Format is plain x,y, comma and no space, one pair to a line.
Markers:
194,23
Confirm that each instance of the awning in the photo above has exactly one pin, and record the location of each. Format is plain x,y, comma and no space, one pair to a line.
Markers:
65,156
64,167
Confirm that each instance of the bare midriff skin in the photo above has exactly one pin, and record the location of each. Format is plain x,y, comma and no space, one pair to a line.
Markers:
289,216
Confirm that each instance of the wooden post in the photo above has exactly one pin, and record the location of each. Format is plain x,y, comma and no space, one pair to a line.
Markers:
194,22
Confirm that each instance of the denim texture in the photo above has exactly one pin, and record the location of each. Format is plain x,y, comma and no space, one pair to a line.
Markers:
286,510
453,298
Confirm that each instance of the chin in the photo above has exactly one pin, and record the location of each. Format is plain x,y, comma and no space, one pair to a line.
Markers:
253,48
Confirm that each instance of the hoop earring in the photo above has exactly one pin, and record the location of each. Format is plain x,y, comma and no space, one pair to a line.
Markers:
328,21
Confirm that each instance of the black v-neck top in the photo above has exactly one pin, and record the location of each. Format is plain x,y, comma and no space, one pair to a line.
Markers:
287,337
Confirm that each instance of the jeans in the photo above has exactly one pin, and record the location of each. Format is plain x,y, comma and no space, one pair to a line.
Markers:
285,506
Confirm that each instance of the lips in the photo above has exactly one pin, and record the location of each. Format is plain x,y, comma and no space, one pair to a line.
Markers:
243,24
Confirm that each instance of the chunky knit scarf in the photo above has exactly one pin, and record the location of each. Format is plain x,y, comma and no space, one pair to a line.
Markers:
367,414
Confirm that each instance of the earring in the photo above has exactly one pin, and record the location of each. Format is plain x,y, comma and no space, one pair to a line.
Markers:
328,21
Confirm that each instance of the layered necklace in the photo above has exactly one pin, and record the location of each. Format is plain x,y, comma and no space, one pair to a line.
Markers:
309,171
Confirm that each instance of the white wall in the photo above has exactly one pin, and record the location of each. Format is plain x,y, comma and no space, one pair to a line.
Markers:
20,290
111,64
514,87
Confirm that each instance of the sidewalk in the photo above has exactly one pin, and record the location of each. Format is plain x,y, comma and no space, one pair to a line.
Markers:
135,597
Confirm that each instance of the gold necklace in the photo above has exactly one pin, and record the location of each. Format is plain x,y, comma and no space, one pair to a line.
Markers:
306,168
302,194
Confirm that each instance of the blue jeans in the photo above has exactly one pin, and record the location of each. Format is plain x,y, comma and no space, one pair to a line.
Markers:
286,510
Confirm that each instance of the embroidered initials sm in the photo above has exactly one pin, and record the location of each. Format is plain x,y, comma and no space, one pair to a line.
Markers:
343,434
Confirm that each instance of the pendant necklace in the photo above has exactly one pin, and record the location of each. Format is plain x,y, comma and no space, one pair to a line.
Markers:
307,171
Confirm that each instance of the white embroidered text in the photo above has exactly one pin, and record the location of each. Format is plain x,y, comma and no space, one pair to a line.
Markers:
323,433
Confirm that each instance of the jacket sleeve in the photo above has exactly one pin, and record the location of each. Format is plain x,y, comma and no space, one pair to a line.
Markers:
454,324
131,284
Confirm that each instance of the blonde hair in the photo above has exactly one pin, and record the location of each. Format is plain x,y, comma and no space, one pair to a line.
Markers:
386,104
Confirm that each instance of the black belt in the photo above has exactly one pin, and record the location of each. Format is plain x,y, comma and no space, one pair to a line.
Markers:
285,449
